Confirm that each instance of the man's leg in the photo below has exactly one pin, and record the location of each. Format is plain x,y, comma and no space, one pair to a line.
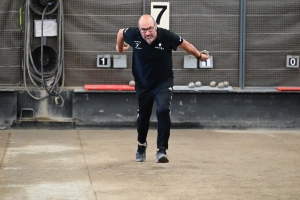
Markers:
145,104
163,100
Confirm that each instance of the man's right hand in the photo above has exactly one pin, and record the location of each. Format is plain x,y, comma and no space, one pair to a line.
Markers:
204,57
125,46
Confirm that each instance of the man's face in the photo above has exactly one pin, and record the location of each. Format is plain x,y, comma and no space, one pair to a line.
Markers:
148,31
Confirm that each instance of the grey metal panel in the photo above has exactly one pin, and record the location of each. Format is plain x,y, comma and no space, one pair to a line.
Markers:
11,21
272,78
267,7
190,109
6,6
207,25
90,42
10,44
270,42
10,76
272,33
8,109
10,57
206,76
80,77
96,7
191,7
91,26
47,109
109,109
98,24
87,60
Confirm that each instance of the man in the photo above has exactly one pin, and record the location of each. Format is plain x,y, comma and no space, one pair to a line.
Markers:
153,75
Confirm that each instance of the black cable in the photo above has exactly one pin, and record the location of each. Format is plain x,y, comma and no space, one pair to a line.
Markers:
42,53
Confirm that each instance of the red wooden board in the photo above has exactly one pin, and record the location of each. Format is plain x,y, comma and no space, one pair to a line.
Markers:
108,87
288,88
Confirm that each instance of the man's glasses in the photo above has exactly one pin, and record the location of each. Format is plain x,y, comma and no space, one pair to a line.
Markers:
144,30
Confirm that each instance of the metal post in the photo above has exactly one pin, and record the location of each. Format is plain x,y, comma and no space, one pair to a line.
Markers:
144,6
242,44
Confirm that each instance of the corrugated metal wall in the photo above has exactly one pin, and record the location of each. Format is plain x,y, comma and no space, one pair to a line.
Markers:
11,44
272,32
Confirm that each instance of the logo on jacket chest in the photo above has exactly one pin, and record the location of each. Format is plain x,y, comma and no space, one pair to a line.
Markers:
137,43
159,46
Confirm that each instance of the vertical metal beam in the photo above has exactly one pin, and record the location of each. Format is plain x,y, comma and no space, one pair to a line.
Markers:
144,6
242,44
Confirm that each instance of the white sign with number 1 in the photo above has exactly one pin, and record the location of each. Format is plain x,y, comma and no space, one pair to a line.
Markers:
161,13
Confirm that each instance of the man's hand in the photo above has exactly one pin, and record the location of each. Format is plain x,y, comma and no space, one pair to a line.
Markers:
204,52
204,55
125,46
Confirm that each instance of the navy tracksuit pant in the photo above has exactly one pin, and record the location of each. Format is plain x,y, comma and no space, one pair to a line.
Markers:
162,96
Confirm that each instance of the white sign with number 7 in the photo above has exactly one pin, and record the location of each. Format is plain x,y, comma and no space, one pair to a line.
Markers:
161,13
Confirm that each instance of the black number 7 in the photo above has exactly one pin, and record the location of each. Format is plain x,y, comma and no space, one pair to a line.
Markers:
164,8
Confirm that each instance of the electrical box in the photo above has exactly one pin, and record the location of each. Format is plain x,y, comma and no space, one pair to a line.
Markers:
190,62
119,61
292,61
103,61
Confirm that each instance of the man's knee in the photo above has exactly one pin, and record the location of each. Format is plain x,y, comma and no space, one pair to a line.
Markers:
164,110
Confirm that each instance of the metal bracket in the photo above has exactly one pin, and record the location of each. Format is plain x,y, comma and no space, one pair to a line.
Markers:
27,110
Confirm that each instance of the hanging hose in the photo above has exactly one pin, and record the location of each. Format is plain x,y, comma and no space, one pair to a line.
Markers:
49,81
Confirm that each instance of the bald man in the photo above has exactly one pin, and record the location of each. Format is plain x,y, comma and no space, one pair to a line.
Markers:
152,70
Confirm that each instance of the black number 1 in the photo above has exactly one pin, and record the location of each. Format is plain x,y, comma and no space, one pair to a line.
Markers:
164,8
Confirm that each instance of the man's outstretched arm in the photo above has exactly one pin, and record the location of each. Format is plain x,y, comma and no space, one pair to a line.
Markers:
188,47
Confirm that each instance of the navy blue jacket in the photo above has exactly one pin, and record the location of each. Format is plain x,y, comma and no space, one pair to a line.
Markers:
152,63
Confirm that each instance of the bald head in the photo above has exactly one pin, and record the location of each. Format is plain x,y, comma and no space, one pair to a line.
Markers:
146,20
147,27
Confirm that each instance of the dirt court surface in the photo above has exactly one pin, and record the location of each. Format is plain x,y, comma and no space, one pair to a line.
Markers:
100,164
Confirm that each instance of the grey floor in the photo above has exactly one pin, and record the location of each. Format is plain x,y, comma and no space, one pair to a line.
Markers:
100,164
